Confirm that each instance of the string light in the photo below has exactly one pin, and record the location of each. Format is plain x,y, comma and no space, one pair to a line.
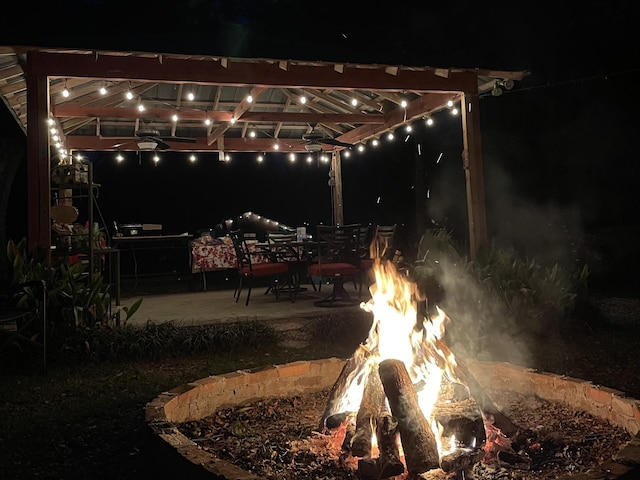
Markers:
156,158
354,102
309,158
260,158
190,96
103,90
450,103
292,157
65,91
207,121
252,134
119,158
390,136
129,94
174,117
408,128
375,142
429,122
193,158
249,98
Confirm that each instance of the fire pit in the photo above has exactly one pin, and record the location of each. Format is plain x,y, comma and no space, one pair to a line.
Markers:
403,406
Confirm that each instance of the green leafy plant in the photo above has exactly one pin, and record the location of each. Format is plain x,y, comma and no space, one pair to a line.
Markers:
73,299
498,293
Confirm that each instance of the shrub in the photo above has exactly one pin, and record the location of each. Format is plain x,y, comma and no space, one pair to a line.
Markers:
498,294
154,341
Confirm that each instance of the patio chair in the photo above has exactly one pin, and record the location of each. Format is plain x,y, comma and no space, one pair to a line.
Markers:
23,319
248,270
337,261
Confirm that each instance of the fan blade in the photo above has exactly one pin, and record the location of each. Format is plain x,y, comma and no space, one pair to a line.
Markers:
161,145
118,145
333,141
178,139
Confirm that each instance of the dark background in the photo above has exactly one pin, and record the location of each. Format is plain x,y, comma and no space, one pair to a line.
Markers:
559,150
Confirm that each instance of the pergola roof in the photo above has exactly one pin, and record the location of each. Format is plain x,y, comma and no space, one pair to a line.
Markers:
90,120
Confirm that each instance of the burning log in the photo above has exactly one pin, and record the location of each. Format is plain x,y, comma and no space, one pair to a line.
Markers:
461,459
487,405
418,441
351,367
388,463
462,419
371,406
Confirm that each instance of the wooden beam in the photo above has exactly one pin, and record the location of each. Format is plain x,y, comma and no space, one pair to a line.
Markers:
238,112
415,109
70,111
242,73
336,190
232,144
38,179
472,160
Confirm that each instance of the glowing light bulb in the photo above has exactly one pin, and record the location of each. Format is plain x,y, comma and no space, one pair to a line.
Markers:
260,158
207,122
129,95
119,158
429,121
354,102
303,99
192,158
103,90
174,117
252,134
390,136
450,103
403,104
249,98
190,96
292,157
65,93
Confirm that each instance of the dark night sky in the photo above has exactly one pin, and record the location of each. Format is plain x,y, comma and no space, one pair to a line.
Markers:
558,149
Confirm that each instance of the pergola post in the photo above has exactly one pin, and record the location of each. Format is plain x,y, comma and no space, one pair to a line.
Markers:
336,168
472,160
38,175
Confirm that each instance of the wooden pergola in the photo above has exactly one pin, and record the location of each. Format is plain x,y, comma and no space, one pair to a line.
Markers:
199,103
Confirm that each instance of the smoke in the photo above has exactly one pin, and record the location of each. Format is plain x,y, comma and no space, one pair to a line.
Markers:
533,225
480,326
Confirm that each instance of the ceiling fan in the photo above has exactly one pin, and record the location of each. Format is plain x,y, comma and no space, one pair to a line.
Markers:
150,139
316,137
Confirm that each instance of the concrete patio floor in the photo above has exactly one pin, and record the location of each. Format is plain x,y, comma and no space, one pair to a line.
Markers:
218,306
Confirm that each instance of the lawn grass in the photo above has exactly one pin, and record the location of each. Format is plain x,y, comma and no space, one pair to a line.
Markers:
87,421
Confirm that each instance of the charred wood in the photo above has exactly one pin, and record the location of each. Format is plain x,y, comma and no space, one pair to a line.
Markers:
487,405
371,406
514,460
343,382
461,459
462,419
418,441
350,430
389,463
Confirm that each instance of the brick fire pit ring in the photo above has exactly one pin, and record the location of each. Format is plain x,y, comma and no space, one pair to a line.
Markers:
201,398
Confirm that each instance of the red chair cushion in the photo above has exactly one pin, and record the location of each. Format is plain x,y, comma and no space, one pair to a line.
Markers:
263,269
332,269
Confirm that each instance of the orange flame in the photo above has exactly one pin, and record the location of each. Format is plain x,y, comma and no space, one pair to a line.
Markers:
400,332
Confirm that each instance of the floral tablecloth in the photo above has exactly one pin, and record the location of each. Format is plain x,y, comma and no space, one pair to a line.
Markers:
209,254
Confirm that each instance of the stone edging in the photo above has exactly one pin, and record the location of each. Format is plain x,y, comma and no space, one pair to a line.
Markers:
201,398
